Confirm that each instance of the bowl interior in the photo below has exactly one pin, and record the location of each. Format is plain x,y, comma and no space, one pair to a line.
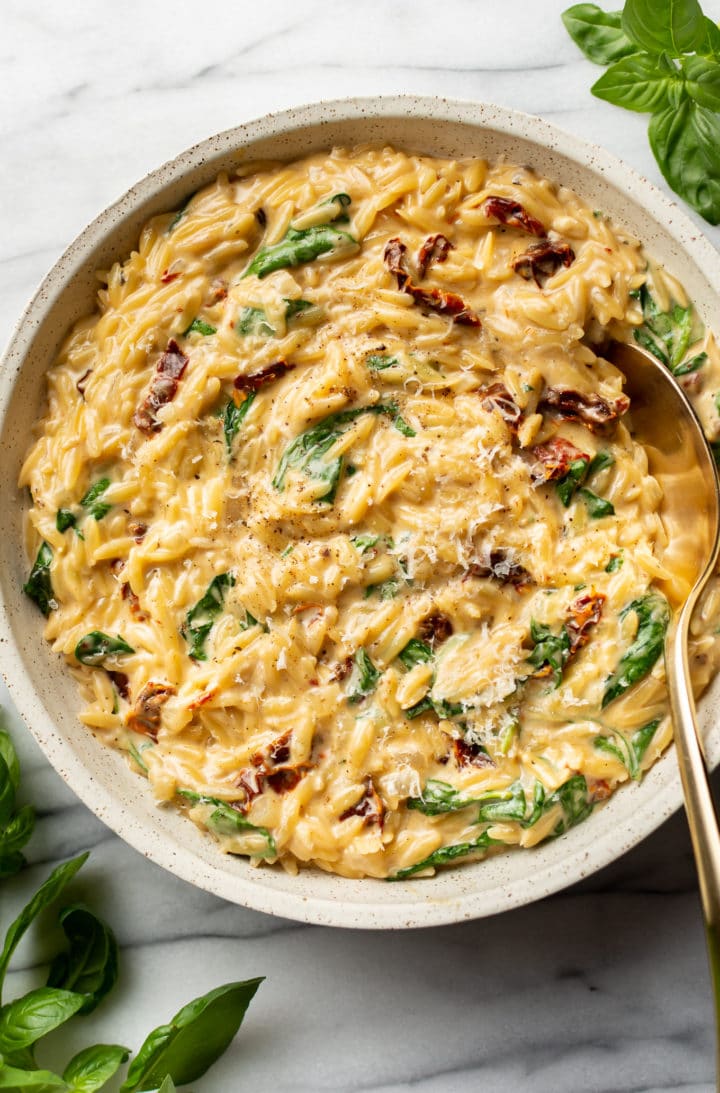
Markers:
45,694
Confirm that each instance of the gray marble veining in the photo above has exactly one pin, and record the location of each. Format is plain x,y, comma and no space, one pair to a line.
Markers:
601,988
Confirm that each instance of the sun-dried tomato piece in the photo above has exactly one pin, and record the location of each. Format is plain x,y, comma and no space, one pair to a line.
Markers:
138,531
251,782
163,387
435,628
122,683
82,382
369,806
257,380
467,754
597,413
445,303
513,215
127,594
342,670
552,460
584,613
271,767
147,712
497,397
435,249
543,259
501,566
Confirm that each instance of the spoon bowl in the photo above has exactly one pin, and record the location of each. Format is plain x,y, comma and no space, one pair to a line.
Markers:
680,458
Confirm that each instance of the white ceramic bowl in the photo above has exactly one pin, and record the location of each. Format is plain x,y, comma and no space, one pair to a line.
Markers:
45,694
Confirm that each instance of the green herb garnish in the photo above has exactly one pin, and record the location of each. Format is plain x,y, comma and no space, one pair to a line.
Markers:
629,750
39,585
363,678
653,615
96,646
200,619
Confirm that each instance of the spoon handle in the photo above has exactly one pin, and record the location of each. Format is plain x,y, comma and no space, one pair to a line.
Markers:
699,804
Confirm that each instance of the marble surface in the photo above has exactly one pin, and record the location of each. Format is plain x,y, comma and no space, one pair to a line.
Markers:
603,987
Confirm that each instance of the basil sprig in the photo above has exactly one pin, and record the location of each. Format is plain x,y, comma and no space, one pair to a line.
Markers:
178,1052
664,60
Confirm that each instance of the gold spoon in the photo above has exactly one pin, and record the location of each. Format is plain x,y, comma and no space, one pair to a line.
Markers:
679,457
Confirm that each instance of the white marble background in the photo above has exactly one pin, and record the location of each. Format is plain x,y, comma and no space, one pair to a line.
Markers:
601,988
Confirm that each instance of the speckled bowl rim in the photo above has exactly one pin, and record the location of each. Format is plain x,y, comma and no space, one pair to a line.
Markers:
340,902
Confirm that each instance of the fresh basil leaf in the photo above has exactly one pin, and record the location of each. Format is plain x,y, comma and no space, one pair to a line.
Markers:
299,247
90,966
10,864
96,646
597,506
15,1080
91,500
711,45
685,142
9,756
653,614
39,585
201,618
91,1068
7,793
415,652
445,855
598,33
193,1040
18,830
363,678
46,893
702,80
638,83
672,26
168,1085
225,820
27,1019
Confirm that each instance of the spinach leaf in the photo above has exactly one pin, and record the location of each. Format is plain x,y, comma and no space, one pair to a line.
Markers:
653,615
551,650
665,334
363,678
641,83
439,797
677,27
572,796
378,362
14,1080
685,141
598,33
226,821
96,646
27,1019
415,652
91,1068
568,484
195,1037
702,80
439,706
614,564
366,542
46,893
629,751
90,966
386,590
446,854
91,500
235,414
38,585
200,619
298,247
65,519
690,365
253,320
305,453
199,326
597,506
600,462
